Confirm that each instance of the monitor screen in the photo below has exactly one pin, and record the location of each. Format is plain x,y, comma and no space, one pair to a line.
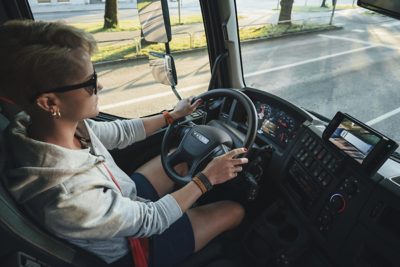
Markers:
354,140
387,7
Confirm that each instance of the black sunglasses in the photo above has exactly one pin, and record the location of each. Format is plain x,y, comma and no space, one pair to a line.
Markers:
90,86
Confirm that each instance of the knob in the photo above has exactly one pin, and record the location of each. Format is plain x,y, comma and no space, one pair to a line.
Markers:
337,203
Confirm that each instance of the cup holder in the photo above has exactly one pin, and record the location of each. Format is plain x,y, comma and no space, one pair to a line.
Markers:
289,233
276,218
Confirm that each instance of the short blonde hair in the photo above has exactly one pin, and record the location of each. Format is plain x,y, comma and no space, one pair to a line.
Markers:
36,56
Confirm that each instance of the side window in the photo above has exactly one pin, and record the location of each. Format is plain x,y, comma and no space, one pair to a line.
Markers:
122,59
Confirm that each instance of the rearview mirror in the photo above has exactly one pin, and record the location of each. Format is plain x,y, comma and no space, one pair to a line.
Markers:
154,18
163,68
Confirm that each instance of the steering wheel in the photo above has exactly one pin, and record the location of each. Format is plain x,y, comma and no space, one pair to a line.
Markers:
201,143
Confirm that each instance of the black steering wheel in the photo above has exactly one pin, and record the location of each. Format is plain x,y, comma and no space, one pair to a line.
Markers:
201,143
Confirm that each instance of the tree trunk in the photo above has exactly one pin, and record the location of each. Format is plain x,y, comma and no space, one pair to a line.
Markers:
323,3
111,14
285,16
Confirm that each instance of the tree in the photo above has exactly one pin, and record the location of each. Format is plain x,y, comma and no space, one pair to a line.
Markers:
111,14
285,16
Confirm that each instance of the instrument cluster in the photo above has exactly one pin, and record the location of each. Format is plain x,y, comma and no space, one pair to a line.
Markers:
275,123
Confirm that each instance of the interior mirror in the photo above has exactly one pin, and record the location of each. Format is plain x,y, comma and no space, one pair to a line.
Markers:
163,68
154,18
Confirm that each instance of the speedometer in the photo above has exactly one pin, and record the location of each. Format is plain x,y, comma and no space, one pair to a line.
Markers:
285,121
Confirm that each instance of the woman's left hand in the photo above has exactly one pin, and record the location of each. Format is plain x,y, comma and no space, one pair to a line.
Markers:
184,108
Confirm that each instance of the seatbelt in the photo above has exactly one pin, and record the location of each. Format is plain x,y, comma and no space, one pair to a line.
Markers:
139,246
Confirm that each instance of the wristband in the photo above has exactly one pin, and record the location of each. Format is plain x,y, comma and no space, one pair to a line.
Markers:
168,118
199,184
204,180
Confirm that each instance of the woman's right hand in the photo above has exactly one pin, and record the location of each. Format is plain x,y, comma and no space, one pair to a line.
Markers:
225,167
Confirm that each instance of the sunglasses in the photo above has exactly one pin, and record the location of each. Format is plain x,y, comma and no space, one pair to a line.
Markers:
90,86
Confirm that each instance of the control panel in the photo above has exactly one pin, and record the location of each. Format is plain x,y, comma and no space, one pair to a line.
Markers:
312,170
337,203
323,185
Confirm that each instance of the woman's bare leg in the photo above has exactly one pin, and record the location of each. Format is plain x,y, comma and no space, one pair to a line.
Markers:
210,220
207,221
154,172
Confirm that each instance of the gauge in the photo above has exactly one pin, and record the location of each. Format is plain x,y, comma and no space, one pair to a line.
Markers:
285,121
264,111
283,137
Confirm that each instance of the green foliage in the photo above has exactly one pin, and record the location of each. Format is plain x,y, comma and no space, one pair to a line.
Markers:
181,42
133,24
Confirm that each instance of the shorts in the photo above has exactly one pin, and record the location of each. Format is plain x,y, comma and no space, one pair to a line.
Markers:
172,246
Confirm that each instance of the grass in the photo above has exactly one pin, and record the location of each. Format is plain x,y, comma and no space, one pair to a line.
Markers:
182,42
133,24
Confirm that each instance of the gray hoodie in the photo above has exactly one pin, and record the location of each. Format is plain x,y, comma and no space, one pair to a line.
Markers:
72,195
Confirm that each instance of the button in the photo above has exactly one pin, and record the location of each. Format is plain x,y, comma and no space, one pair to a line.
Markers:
308,161
333,165
317,171
326,159
313,144
308,142
327,179
317,150
300,153
303,157
314,166
305,137
321,154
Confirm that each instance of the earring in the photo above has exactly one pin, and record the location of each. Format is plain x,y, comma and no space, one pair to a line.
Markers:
55,114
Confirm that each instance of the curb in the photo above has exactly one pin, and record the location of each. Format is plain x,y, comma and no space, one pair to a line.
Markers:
121,61
331,28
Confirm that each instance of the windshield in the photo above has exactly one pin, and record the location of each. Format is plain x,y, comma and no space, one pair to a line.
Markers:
122,60
324,61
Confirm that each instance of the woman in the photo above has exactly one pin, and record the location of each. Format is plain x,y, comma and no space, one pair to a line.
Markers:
63,174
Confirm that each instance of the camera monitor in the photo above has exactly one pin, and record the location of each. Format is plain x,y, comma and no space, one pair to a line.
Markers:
364,145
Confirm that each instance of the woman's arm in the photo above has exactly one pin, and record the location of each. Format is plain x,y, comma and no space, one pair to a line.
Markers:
182,109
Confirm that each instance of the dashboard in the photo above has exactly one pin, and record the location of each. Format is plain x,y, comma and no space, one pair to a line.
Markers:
278,121
330,205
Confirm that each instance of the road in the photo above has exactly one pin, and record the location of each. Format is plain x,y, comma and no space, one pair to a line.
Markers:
354,70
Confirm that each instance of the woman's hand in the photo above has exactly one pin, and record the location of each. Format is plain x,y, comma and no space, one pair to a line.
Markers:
225,167
184,108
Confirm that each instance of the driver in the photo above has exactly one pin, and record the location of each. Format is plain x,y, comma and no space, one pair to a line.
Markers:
63,174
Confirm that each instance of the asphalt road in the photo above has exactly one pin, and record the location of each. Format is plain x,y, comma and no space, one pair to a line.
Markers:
354,70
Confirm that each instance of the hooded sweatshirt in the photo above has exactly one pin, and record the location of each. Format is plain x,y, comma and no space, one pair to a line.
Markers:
72,195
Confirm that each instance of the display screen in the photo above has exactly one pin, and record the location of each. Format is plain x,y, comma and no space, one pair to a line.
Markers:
275,123
354,140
